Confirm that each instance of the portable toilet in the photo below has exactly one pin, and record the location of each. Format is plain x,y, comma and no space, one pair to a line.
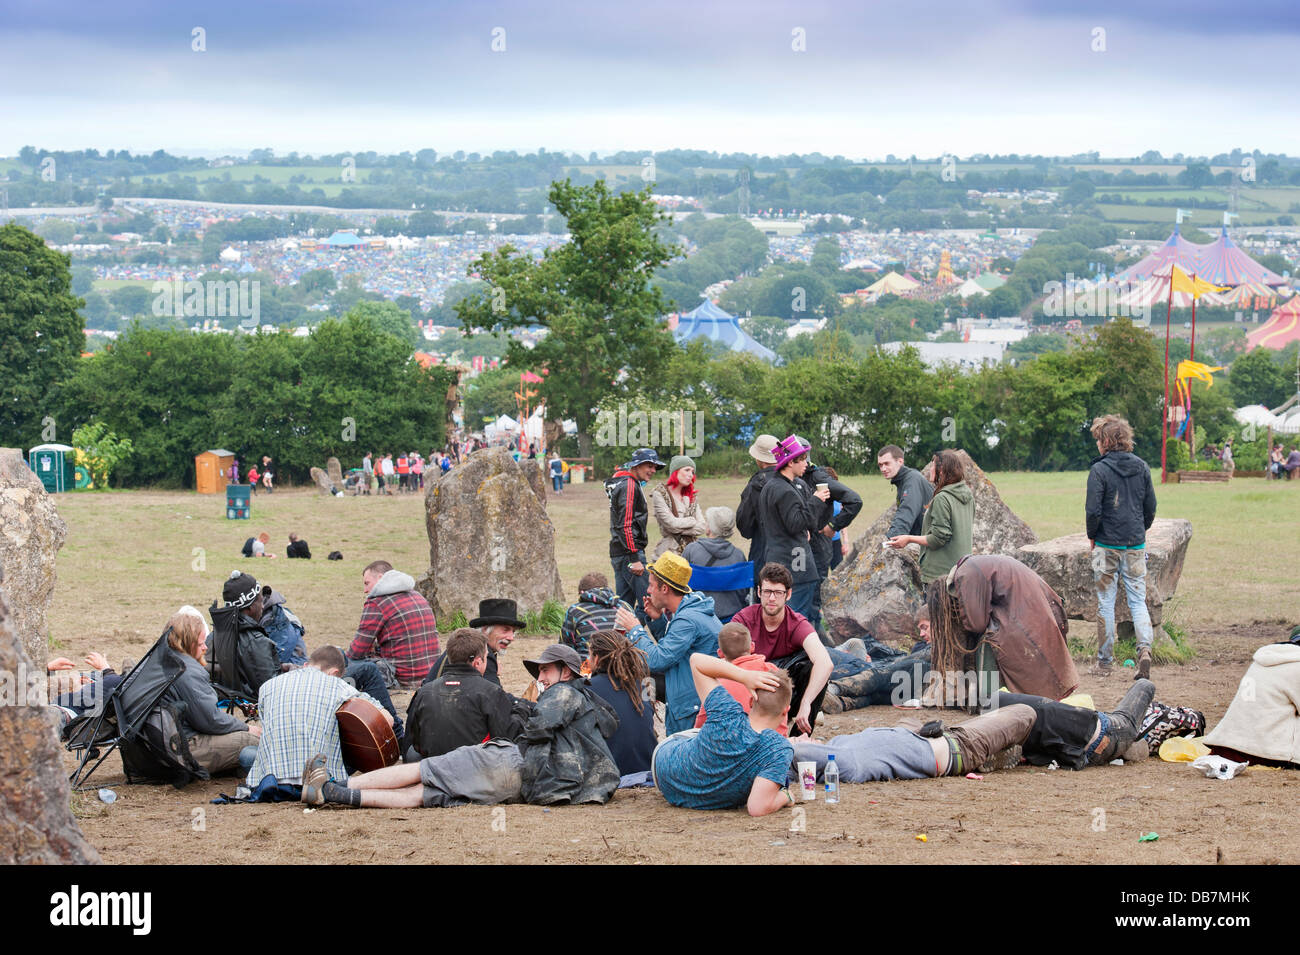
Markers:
211,470
53,464
239,502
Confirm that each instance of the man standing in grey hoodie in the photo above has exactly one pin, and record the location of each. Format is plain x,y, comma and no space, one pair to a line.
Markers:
1120,507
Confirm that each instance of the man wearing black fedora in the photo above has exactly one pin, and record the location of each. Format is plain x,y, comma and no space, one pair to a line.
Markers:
498,618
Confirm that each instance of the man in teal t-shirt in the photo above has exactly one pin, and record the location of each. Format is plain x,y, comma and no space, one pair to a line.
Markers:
733,760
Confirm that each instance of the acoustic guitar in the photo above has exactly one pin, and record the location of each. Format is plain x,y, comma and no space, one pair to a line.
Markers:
367,738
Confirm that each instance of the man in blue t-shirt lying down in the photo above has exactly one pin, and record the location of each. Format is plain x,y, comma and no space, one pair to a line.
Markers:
733,759
1034,728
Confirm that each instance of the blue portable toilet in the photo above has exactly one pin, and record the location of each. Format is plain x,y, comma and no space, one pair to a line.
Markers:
52,463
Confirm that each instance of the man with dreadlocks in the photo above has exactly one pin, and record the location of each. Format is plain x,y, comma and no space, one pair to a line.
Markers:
994,606
619,676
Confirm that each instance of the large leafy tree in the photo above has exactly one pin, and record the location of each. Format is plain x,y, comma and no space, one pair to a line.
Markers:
41,334
593,295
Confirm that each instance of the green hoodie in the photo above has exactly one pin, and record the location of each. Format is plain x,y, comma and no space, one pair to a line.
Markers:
947,530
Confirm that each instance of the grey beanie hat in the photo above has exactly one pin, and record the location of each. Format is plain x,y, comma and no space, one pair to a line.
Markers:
721,521
679,461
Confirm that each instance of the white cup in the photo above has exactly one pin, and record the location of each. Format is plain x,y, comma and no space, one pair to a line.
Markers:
808,780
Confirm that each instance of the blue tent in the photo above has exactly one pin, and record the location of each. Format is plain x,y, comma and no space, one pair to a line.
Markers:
713,324
344,240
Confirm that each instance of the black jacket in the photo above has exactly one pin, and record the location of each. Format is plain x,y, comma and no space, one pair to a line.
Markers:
850,505
914,493
298,548
1121,501
749,520
787,514
440,667
460,708
627,517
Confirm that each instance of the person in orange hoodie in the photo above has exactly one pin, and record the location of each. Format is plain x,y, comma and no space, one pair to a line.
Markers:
736,646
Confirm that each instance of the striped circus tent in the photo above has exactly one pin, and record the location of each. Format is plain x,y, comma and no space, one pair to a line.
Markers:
1176,250
1251,295
1281,329
1223,263
1155,291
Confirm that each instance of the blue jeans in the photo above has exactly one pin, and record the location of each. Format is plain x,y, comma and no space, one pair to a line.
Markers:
1109,568
365,676
247,756
629,586
557,483
880,684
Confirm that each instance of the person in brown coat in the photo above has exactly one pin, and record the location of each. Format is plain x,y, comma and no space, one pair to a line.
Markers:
996,602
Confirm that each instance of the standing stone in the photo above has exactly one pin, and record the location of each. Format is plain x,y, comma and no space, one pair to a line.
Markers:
489,536
323,482
877,590
1066,564
31,533
334,470
36,823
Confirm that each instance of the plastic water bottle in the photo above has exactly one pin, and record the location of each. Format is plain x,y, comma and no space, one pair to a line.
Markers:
832,776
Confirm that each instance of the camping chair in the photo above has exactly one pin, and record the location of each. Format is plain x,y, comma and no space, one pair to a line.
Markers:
229,678
727,577
122,715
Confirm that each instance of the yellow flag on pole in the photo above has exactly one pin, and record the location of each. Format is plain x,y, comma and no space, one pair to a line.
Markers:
1195,287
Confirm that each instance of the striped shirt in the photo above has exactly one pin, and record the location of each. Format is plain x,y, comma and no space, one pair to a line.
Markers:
297,712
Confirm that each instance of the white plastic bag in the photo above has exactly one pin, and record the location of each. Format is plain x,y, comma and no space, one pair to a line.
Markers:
1216,767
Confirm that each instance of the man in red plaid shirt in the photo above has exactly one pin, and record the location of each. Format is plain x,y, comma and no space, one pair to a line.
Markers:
397,629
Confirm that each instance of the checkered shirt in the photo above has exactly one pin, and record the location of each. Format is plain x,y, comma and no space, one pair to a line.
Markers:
399,627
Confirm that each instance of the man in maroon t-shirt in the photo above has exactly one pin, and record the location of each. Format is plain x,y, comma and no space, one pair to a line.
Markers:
789,641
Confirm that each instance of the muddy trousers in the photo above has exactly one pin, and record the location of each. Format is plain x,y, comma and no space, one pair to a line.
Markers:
975,742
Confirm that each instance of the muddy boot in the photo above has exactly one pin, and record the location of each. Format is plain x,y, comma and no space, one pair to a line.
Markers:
1125,721
981,739
831,701
1143,664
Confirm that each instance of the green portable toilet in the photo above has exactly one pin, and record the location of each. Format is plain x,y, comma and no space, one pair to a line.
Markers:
52,463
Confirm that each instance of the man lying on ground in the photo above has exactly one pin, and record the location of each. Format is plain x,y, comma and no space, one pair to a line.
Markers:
1043,729
887,676
560,757
734,760
297,710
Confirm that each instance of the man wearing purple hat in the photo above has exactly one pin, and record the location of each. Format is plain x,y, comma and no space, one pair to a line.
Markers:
788,511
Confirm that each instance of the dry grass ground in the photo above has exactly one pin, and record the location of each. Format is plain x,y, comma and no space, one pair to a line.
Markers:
132,558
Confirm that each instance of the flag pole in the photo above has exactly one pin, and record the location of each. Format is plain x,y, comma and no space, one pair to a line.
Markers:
1164,411
1191,431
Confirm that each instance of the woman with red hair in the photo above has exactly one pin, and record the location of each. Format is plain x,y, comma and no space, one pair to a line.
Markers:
675,508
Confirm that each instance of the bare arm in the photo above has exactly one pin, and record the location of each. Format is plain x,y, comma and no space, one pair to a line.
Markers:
708,670
821,673
766,797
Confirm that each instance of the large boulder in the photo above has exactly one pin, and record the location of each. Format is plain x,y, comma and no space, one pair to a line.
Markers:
31,533
323,482
878,591
489,536
1066,564
36,823
334,470
880,595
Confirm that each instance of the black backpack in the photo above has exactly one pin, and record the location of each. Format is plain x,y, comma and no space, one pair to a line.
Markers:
159,752
243,656
248,547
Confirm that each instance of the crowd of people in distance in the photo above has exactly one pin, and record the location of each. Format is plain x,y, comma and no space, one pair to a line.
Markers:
740,673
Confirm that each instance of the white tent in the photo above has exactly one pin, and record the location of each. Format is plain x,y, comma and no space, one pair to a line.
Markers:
970,288
1288,422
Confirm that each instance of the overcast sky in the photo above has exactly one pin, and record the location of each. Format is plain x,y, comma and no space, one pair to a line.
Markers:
923,77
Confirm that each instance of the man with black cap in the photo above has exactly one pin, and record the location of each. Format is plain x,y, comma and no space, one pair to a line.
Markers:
628,514
560,758
498,618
